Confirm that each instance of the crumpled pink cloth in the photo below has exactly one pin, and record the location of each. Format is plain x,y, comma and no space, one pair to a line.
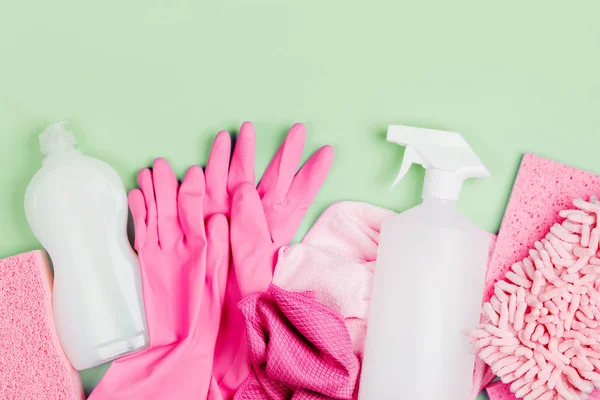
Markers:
336,261
299,348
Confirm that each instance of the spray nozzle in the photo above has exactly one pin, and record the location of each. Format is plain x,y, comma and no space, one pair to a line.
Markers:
446,156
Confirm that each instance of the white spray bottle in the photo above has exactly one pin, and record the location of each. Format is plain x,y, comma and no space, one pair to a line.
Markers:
428,281
77,208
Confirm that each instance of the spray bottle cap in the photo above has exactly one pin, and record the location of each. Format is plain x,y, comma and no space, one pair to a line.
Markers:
446,156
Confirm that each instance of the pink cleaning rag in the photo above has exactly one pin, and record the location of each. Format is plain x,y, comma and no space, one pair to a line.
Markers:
336,261
299,348
499,391
542,188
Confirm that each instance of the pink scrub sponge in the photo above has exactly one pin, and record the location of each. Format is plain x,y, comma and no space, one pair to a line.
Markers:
543,187
541,328
32,362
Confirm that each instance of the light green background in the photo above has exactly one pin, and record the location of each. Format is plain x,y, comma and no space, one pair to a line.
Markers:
142,79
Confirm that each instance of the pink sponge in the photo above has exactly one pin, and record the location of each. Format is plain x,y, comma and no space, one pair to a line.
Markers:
543,187
32,362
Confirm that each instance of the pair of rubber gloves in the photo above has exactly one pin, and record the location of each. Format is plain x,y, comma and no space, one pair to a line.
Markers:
204,245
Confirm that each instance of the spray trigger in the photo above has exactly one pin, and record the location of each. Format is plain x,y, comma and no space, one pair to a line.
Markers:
446,156
411,156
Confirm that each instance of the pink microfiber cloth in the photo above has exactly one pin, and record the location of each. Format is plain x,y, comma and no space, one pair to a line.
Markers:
542,188
499,391
299,347
32,362
336,261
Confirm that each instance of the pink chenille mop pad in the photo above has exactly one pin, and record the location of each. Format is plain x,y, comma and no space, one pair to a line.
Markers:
336,261
299,348
542,189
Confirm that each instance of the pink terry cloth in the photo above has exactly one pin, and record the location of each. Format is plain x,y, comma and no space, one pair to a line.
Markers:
299,348
542,188
336,261
33,364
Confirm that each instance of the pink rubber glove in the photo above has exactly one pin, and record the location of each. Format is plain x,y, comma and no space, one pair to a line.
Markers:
223,176
184,269
265,220
226,172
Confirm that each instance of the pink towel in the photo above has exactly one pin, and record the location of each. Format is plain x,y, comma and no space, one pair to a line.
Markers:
336,261
299,347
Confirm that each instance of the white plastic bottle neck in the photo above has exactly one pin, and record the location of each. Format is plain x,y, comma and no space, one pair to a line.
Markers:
59,147
56,140
441,185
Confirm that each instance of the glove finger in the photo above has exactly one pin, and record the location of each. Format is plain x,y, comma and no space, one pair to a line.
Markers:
165,190
191,205
217,259
230,330
305,186
241,169
137,206
250,241
220,255
217,169
206,327
279,174
214,392
217,267
147,188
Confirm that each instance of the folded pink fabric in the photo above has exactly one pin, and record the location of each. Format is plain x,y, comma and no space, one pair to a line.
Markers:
299,348
336,261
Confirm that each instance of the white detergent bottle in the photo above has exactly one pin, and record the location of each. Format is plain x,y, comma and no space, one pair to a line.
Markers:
77,208
428,280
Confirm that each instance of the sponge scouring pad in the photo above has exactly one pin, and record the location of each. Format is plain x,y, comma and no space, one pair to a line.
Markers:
32,362
543,187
